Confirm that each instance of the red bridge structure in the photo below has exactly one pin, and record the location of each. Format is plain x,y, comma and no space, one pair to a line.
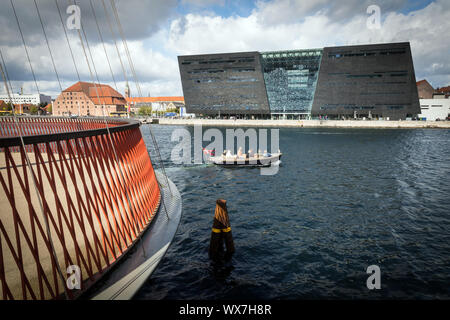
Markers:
75,192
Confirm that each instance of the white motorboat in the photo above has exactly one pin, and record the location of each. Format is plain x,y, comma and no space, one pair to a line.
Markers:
255,160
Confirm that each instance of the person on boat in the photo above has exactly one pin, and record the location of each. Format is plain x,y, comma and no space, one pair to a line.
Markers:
240,152
229,155
266,154
250,153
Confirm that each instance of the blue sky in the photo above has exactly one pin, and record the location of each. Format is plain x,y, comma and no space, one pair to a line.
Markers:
413,5
226,8
159,30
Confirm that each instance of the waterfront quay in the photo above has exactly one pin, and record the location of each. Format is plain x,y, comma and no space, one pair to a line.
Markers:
310,123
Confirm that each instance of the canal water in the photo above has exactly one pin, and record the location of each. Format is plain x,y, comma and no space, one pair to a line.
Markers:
343,199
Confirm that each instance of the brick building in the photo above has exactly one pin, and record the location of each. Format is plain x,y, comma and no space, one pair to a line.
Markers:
444,90
87,99
424,89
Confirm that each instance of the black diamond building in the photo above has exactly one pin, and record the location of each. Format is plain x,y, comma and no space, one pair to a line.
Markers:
372,81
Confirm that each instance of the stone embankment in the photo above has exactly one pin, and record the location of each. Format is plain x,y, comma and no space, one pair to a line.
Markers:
382,124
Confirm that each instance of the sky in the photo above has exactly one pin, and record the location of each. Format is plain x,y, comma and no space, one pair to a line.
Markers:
158,31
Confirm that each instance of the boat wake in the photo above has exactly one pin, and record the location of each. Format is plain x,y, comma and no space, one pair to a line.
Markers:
276,163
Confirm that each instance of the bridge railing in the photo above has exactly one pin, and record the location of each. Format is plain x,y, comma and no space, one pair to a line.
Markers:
88,194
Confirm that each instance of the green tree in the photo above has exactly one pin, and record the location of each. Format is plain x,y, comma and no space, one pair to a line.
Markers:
145,111
34,110
176,110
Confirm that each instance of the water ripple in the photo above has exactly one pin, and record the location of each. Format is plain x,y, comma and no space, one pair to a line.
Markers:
343,199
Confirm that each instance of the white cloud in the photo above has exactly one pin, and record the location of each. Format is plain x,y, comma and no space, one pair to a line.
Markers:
139,19
305,25
150,65
278,25
203,3
294,11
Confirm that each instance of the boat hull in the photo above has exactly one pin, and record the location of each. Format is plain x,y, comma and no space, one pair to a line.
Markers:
125,279
250,162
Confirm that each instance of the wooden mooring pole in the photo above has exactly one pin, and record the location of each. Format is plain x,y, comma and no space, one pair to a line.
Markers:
221,233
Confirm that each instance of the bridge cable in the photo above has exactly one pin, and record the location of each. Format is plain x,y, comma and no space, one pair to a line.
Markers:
112,74
6,72
117,159
125,46
70,49
130,61
47,225
156,147
50,51
48,45
92,79
153,138
67,40
115,43
103,43
25,46
104,115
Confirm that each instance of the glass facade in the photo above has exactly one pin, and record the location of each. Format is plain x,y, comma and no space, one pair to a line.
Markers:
376,79
290,78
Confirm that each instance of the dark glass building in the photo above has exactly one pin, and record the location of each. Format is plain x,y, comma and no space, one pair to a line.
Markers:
224,84
370,81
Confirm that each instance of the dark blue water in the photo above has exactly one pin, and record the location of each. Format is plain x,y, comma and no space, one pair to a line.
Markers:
343,200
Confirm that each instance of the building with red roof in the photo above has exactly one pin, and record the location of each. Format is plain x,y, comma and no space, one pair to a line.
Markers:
444,90
19,108
26,108
89,99
3,106
426,91
434,103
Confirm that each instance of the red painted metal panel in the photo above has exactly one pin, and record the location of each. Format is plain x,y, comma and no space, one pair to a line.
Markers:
98,193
